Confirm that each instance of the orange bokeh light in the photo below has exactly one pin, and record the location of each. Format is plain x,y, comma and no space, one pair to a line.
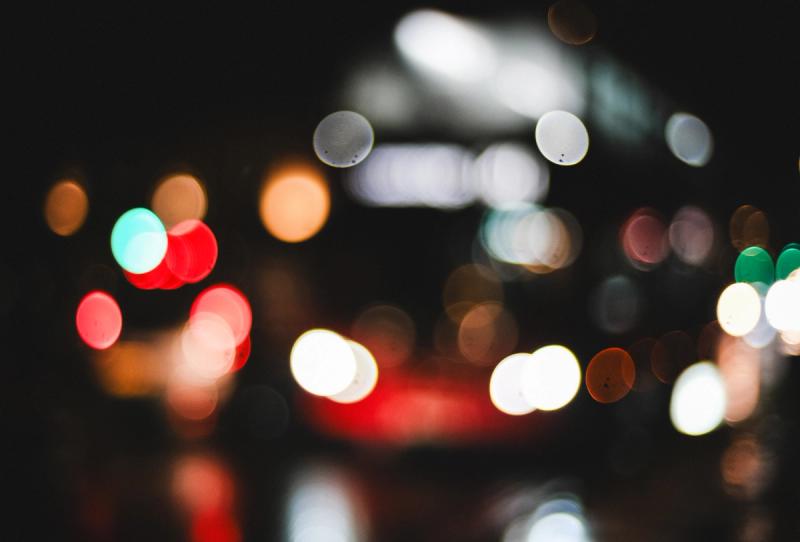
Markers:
179,197
295,203
66,207
610,375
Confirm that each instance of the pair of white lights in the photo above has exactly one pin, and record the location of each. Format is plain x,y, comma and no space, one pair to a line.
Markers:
547,379
326,364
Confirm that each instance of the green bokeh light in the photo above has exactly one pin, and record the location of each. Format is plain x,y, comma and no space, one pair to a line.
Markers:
138,240
788,261
754,264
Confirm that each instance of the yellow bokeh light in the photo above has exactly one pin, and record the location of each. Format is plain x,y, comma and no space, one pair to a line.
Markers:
179,197
66,207
295,203
738,309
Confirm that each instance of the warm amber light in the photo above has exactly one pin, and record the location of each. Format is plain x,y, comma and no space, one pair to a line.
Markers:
66,207
295,203
179,197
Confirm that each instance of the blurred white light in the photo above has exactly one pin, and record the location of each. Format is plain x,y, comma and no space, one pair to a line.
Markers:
532,90
208,346
782,305
365,379
559,527
505,386
698,400
738,309
763,333
321,507
404,175
509,173
689,139
443,45
552,378
343,139
691,235
562,138
322,362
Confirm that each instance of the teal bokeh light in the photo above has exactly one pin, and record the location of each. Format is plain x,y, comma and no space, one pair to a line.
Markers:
754,264
788,261
138,241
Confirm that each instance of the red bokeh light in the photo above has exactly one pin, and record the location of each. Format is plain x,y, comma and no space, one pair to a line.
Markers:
228,303
99,320
242,355
192,251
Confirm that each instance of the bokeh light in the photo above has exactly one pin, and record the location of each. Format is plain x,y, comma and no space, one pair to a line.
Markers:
138,240
99,320
229,304
386,331
159,277
689,139
749,227
343,139
208,345
509,173
365,379
295,203
192,251
505,385
738,309
782,305
487,333
746,467
444,46
322,362
691,235
616,304
571,21
65,207
698,401
407,175
552,378
788,261
562,138
754,265
610,375
671,354
467,286
740,367
179,197
644,239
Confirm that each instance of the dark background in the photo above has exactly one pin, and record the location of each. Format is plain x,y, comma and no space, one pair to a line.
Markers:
123,94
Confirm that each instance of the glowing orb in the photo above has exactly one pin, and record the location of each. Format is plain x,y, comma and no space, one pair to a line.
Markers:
365,379
99,320
552,378
562,138
505,389
689,139
738,309
294,204
782,305
192,251
610,375
229,304
322,362
343,139
66,207
138,241
698,400
754,264
179,197
788,261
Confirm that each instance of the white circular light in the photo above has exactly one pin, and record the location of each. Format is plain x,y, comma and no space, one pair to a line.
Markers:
343,139
689,139
552,378
322,362
558,527
782,305
562,138
365,379
698,399
738,309
505,387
